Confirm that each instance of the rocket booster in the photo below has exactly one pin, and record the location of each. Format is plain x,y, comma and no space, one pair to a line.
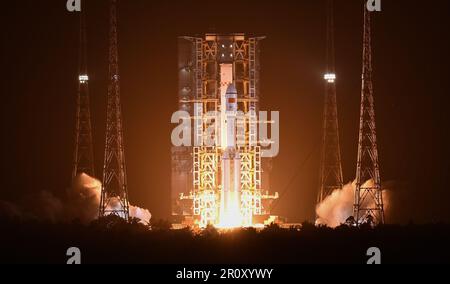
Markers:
231,162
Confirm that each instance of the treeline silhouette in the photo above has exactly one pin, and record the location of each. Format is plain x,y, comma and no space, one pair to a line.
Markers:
114,240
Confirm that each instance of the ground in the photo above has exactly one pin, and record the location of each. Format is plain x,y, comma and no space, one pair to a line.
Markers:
104,241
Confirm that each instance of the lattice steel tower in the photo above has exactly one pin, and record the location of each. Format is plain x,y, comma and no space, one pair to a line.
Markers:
83,157
114,197
330,167
368,206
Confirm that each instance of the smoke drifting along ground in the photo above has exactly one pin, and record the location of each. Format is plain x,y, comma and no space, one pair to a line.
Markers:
86,192
84,198
81,203
338,206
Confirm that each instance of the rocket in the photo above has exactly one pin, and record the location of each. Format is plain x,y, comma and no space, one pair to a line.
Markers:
231,162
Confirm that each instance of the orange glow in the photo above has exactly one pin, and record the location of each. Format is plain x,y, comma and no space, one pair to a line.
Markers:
230,214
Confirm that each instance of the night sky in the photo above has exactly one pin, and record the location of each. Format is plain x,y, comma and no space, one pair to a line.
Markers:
411,75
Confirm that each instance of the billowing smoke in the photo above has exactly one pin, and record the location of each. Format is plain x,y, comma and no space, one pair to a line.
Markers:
81,203
140,213
134,211
86,193
338,206
83,198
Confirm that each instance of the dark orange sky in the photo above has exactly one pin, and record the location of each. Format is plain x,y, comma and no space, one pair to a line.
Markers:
411,60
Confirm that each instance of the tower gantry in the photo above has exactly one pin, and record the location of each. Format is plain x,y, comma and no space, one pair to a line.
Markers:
114,196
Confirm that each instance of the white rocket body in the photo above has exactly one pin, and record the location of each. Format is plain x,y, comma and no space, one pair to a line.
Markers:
226,78
229,214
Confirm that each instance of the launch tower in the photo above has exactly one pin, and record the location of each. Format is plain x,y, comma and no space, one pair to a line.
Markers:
219,177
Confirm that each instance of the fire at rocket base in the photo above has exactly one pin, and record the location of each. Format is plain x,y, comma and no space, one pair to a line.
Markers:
230,211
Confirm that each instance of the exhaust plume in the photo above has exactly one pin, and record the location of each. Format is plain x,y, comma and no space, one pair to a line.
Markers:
84,198
81,203
86,191
338,206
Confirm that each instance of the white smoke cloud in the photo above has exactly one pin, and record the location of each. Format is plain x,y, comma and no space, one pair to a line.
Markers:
140,213
86,192
83,198
338,206
81,203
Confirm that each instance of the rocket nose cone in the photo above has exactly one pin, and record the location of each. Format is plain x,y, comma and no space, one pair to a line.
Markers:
231,89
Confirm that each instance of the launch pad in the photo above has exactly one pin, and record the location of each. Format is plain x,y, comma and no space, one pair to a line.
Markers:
219,180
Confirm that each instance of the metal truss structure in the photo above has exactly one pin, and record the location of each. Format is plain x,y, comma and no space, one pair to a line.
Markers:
368,205
114,196
330,175
83,157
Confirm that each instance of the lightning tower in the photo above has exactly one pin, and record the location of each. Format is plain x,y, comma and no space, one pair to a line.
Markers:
330,167
368,205
83,158
114,196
